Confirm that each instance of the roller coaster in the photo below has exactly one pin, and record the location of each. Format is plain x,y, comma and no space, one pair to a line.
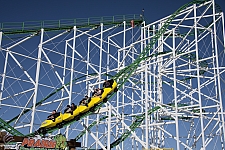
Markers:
168,76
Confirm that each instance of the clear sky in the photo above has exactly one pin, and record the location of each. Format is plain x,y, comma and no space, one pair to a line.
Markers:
31,10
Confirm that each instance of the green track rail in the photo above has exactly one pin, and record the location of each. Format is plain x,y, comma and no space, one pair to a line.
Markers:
4,125
66,24
138,121
89,127
105,117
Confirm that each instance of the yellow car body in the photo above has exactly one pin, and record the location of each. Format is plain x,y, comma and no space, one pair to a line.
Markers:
50,123
67,116
94,100
82,109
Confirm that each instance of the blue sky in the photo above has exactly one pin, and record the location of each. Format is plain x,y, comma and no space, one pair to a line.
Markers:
27,10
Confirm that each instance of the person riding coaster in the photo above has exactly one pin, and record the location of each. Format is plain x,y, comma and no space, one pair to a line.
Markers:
70,109
70,112
108,83
98,92
51,121
53,115
84,101
101,94
81,108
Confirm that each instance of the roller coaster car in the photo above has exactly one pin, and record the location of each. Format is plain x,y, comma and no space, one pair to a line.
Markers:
52,122
106,91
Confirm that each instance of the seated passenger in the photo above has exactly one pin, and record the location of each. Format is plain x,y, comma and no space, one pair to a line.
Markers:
53,115
73,107
108,83
83,102
99,92
95,91
68,109
87,99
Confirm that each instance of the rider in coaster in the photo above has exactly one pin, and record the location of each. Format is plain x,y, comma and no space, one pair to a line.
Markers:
95,91
68,109
73,107
84,102
108,83
98,92
87,99
53,115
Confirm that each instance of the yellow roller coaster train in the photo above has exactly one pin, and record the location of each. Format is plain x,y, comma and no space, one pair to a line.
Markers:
81,109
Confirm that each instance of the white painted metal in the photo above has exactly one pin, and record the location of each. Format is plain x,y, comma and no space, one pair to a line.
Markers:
175,90
36,81
198,78
109,127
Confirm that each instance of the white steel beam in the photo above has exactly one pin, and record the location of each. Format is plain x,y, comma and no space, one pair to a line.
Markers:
175,92
36,81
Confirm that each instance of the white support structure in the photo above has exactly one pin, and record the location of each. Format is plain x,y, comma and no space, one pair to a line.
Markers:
183,74
109,127
36,81
175,90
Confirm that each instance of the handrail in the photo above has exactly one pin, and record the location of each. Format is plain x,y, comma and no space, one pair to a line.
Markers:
51,25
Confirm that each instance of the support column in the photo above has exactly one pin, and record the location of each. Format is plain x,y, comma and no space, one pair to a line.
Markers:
88,87
100,76
71,74
159,85
198,78
0,40
142,86
222,14
109,127
152,93
175,91
146,93
123,97
36,80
